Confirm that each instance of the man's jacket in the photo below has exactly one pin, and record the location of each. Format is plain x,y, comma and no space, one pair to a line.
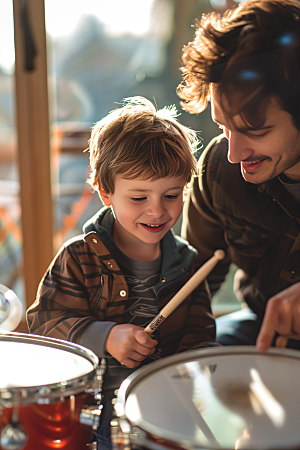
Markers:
258,226
84,285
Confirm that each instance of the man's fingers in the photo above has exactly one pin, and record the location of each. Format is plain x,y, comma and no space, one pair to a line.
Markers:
295,327
285,317
281,342
265,337
267,330
282,316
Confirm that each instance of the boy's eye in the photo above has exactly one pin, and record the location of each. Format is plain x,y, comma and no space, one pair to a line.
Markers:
171,197
138,199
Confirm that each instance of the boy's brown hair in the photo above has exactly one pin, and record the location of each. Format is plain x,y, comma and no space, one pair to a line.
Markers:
252,53
138,141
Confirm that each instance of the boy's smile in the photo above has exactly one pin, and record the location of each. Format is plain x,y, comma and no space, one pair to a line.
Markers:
145,211
153,228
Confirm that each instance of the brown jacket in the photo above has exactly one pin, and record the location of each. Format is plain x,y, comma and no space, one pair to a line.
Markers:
258,226
84,284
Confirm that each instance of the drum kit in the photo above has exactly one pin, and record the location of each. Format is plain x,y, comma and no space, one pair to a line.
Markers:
50,389
214,398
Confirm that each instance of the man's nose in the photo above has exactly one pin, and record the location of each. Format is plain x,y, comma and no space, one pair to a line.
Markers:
238,147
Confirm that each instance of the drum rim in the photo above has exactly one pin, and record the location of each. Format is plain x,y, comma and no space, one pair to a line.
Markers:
133,379
52,391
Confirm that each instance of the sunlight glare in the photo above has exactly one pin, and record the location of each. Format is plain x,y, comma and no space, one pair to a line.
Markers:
118,16
269,404
132,408
7,47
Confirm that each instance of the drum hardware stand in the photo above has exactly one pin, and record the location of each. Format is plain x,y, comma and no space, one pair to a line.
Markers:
90,414
121,431
13,435
120,434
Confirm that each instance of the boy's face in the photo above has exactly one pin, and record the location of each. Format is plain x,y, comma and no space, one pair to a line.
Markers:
145,211
265,152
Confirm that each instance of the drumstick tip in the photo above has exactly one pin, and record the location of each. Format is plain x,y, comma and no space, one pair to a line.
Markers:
219,254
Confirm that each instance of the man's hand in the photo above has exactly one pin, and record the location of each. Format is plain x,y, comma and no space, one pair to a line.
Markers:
282,316
129,344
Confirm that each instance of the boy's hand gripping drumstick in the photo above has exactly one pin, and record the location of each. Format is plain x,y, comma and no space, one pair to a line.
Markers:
182,294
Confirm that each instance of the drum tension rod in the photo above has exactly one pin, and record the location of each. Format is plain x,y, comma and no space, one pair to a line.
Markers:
90,414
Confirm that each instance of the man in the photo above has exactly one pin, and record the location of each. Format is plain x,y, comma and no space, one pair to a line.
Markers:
247,197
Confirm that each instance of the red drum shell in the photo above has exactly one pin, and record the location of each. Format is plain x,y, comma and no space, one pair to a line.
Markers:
48,412
53,426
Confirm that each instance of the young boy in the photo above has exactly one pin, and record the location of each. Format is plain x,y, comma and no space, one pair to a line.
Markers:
105,286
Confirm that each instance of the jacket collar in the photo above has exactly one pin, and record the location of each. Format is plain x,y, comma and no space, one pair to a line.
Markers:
176,256
280,195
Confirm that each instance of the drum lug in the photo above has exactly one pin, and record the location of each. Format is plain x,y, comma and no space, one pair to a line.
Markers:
44,392
90,416
96,389
13,437
5,398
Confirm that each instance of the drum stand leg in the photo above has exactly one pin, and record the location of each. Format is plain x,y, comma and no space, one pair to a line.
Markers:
115,431
120,435
13,436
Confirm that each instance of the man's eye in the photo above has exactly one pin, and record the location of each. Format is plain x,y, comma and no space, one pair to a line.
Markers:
257,132
139,199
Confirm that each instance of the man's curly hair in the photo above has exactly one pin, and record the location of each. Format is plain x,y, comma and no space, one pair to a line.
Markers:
254,49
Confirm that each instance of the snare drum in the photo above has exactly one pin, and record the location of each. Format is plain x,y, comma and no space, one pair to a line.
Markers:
217,398
45,388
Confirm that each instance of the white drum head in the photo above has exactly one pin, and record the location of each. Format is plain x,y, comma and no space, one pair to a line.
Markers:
34,361
225,397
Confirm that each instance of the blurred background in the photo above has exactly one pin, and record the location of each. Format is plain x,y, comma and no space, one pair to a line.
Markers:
64,64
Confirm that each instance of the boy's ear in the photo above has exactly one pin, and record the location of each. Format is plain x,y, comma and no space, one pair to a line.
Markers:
105,197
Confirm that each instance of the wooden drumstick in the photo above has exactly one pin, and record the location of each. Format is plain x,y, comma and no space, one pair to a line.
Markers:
182,294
